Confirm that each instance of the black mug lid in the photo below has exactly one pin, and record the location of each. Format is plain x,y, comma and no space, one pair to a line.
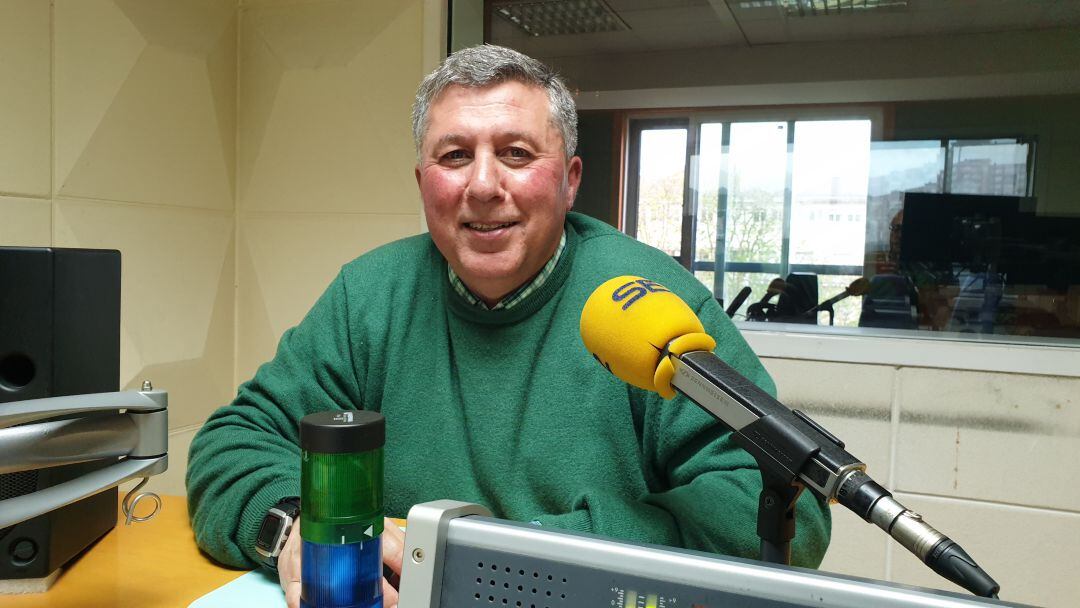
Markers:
342,431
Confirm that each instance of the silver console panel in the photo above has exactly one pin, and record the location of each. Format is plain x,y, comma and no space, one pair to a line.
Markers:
469,560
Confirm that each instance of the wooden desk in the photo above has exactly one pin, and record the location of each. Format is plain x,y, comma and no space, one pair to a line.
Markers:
149,564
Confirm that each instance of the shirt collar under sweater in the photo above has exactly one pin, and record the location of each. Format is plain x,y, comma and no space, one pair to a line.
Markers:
528,303
516,296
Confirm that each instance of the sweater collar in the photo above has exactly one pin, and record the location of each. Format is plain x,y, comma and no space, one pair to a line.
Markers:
535,298
518,295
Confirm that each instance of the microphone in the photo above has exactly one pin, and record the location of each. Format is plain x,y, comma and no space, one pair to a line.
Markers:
738,300
756,311
776,286
648,337
857,287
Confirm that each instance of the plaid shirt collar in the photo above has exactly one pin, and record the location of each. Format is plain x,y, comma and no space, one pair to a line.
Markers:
516,296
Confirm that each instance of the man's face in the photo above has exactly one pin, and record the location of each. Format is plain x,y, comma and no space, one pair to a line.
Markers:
496,184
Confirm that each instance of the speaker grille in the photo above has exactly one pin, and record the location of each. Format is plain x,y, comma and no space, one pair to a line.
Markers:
504,584
16,484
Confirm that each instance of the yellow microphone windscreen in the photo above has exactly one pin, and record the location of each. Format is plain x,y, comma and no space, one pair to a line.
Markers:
627,322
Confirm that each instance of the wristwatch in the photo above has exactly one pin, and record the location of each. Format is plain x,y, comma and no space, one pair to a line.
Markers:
274,530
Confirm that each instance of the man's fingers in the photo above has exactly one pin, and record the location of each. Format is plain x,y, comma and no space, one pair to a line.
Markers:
390,595
393,545
289,567
292,594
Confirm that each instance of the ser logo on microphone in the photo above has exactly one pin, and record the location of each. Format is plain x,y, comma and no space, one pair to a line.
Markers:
635,290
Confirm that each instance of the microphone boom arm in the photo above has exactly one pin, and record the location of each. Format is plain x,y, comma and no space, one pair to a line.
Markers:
788,442
622,325
793,451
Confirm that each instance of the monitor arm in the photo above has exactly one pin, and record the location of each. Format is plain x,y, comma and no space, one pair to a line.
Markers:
129,427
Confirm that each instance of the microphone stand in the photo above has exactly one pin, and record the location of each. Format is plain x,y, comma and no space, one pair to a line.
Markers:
827,306
858,287
828,309
783,442
780,485
776,516
794,453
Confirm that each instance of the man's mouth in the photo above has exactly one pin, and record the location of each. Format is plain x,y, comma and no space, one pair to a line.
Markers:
486,227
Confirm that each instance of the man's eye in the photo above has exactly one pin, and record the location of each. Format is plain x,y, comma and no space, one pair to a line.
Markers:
456,155
517,153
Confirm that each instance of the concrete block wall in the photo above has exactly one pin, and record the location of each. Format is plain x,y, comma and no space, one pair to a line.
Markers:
987,458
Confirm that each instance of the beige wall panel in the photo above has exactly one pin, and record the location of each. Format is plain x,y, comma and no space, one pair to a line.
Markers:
25,101
854,403
159,125
258,3
25,222
244,4
1028,551
325,96
172,481
177,296
96,47
989,436
287,261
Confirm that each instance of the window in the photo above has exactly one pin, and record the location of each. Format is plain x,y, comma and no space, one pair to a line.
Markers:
819,202
766,199
659,166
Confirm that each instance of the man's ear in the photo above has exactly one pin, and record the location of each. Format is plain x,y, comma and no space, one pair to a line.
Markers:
573,180
416,172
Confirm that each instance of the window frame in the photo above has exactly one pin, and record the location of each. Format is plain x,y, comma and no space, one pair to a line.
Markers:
692,120
631,194
874,346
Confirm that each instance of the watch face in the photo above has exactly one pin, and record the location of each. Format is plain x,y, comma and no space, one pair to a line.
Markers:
268,532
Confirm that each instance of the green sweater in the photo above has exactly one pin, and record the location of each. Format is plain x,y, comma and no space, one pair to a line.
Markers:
502,408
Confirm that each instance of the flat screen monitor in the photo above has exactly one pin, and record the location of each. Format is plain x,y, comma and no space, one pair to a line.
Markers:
949,234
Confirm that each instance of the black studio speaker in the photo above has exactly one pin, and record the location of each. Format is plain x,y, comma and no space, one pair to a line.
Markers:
59,335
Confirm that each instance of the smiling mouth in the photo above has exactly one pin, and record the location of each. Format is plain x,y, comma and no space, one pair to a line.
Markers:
482,227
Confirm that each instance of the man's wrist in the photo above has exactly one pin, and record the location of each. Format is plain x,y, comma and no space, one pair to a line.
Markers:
275,528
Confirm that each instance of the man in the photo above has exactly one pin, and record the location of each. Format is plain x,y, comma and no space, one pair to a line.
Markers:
467,341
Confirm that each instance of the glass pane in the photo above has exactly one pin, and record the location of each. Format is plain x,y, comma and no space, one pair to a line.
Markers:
660,188
758,282
757,172
991,264
846,311
996,166
828,191
897,167
710,142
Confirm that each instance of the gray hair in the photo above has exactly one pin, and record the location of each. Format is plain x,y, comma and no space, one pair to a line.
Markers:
486,65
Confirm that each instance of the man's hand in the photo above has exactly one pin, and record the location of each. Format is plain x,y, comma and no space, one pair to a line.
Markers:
393,549
393,546
288,566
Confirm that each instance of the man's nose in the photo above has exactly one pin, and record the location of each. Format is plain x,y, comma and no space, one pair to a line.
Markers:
485,183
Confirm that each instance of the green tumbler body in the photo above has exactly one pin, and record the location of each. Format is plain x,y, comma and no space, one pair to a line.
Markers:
341,509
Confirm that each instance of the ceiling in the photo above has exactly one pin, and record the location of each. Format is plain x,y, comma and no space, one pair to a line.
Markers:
664,25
